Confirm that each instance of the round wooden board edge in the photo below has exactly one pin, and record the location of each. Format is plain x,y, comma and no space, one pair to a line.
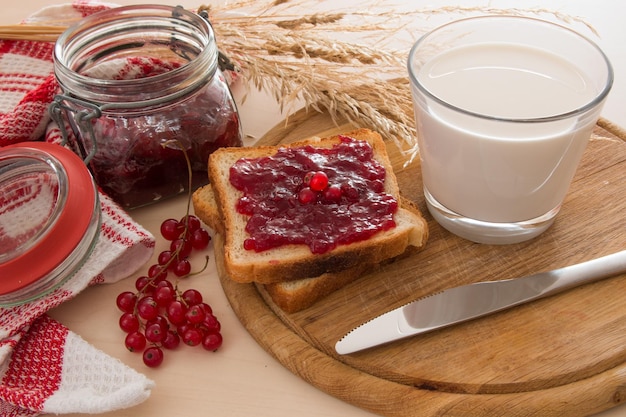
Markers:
388,398
393,399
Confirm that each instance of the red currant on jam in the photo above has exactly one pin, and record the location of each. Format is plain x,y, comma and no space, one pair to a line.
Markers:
319,181
307,196
316,187
333,193
159,315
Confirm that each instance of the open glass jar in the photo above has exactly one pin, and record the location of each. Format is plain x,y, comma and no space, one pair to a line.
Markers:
138,84
49,219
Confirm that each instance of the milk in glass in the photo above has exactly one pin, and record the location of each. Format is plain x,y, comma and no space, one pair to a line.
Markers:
483,167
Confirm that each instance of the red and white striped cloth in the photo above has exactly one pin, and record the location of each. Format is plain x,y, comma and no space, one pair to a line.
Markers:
44,366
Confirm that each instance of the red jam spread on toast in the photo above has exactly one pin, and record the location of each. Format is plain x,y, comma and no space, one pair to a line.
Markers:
321,197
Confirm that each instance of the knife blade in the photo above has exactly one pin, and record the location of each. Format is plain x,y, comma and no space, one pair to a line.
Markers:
468,302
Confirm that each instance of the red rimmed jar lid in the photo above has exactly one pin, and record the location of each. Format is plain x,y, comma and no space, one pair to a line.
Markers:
49,219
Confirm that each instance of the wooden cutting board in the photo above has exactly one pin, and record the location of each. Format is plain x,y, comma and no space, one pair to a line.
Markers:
560,356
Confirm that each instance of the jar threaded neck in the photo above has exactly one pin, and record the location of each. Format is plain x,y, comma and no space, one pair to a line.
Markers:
128,56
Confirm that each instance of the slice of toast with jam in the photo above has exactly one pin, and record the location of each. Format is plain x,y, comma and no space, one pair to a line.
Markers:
273,235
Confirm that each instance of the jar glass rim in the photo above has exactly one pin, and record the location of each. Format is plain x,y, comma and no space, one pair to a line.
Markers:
515,27
94,37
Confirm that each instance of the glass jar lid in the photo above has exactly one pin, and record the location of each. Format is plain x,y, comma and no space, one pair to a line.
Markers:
49,219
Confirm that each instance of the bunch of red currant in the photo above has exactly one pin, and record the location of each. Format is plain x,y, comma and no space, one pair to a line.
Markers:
158,315
315,184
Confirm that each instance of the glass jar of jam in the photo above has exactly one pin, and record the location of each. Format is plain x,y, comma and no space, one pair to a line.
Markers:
142,92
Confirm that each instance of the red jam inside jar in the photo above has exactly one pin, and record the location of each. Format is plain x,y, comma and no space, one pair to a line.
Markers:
352,207
142,91
137,164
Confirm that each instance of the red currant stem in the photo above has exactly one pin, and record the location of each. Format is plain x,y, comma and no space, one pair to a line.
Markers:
189,175
179,292
206,263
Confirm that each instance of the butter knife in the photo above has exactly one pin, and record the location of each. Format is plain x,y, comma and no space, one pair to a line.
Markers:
467,302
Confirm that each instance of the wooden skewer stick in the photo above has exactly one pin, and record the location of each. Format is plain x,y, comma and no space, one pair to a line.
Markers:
29,32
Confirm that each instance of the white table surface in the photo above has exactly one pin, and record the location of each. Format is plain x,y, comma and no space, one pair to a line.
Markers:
242,379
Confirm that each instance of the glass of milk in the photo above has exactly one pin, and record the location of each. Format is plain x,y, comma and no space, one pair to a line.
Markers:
504,107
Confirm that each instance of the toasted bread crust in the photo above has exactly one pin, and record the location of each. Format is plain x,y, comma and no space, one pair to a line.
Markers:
293,262
205,208
295,296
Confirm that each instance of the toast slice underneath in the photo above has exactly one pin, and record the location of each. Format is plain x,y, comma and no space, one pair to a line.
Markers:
292,295
291,262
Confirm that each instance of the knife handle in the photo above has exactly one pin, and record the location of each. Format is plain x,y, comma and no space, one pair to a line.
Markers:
587,272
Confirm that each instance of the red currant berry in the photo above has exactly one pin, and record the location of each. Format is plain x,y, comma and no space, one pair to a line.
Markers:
192,297
135,341
333,193
350,191
171,229
181,247
211,323
319,181
212,341
183,327
192,222
207,308
176,312
171,341
157,272
306,196
192,337
164,257
307,178
142,283
195,314
153,357
129,323
164,296
182,268
155,333
161,321
163,283
200,239
126,301
147,308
